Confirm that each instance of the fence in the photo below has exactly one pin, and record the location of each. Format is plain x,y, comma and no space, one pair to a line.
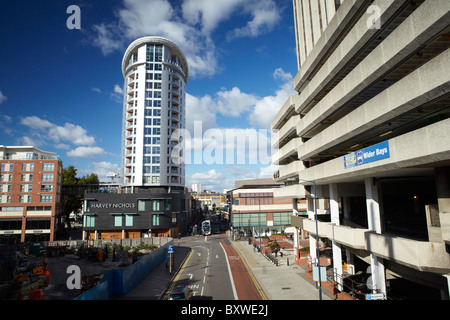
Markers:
120,282
131,242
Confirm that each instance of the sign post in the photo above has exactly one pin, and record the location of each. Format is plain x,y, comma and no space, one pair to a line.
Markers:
170,258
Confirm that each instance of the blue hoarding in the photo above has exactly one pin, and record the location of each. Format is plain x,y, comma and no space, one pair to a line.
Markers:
373,153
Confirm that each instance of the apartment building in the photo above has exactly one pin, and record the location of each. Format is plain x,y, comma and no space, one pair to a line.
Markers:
155,75
152,199
367,138
30,194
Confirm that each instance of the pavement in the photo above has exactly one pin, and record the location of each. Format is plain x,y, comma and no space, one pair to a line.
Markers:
287,281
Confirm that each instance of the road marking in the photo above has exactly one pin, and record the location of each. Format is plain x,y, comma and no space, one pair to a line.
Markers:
190,276
204,279
217,256
229,272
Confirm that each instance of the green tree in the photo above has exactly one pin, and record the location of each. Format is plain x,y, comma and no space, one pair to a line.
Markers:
74,203
69,175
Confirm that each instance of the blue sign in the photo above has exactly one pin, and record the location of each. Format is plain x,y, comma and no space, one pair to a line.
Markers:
373,153
170,249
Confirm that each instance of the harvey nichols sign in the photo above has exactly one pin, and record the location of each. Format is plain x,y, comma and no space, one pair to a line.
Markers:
113,205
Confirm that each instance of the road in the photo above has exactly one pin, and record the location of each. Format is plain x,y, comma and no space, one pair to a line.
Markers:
215,271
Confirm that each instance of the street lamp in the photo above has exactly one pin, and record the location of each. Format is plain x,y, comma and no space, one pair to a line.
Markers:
317,236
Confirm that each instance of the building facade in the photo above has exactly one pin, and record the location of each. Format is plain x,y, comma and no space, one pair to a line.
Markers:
138,215
254,207
155,75
367,138
30,194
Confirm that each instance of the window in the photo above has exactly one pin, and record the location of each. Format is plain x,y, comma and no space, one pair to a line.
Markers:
47,177
157,112
156,131
147,159
156,169
46,188
141,205
118,221
155,220
156,140
48,167
128,220
167,204
46,198
89,221
157,205
156,160
38,224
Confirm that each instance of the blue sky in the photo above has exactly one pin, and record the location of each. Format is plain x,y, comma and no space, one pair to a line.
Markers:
60,88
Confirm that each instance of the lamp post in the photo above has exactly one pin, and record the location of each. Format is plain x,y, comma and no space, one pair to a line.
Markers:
317,236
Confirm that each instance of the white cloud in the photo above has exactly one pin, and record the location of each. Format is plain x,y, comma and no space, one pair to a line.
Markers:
265,16
96,90
86,152
208,13
138,18
235,103
69,132
200,109
2,98
267,108
101,169
211,179
118,89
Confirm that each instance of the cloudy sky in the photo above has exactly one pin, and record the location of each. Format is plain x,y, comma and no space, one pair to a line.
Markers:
61,88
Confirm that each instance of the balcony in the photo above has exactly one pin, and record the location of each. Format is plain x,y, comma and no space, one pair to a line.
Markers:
291,170
287,151
290,192
419,255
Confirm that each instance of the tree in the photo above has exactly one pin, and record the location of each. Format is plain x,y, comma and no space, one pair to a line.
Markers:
73,203
69,175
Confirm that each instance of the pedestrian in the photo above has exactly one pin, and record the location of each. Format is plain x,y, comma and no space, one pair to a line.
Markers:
276,251
281,252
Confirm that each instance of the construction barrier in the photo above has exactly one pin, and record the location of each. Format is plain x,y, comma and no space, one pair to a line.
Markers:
120,282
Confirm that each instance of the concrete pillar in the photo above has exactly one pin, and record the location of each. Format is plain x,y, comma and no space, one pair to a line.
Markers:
337,252
350,258
378,277
442,178
312,238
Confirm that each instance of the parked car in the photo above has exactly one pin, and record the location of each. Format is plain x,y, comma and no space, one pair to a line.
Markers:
180,293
